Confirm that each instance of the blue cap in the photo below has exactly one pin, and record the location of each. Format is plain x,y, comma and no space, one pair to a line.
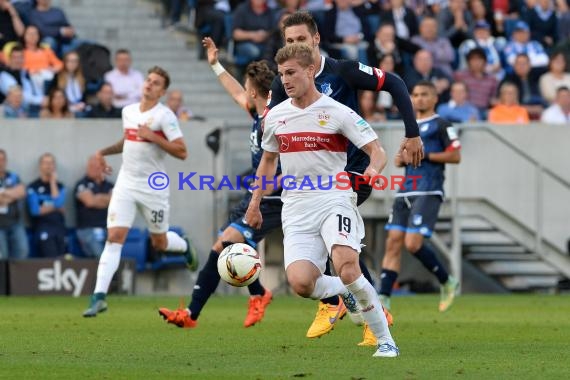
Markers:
482,24
521,25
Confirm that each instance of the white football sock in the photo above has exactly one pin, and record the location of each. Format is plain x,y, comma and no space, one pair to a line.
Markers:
174,243
371,309
108,265
327,286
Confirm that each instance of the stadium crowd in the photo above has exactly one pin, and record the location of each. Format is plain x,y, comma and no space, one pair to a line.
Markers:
495,60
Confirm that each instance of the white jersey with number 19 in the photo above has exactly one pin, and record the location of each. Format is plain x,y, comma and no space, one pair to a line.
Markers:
141,158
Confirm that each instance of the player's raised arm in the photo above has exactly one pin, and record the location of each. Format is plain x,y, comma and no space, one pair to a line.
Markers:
267,169
231,85
364,77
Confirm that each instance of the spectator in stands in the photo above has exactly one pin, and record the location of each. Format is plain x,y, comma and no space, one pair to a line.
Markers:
402,17
482,86
439,47
483,39
559,112
72,82
104,108
54,27
387,43
543,23
11,26
252,21
424,70
481,13
13,239
346,33
520,43
40,61
563,14
57,106
92,196
16,75
46,197
175,101
508,110
554,78
379,105
455,22
127,83
213,14
527,85
275,42
458,109
13,106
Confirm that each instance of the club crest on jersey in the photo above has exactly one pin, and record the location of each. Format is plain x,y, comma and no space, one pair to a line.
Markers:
323,118
326,89
424,127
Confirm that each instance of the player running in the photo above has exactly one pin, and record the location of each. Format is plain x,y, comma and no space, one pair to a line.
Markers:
318,224
151,131
415,209
253,99
341,80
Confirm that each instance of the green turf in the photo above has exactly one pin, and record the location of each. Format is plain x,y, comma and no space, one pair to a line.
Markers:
481,337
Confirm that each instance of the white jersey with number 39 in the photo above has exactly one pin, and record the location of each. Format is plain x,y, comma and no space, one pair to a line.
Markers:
141,157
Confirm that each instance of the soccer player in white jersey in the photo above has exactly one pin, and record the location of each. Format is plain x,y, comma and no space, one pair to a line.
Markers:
151,131
309,133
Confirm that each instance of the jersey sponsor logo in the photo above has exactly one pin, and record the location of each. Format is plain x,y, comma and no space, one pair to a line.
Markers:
364,68
131,135
451,133
283,143
312,141
323,118
326,89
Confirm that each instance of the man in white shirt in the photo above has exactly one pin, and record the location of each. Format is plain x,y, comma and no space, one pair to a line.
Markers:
127,83
151,131
559,112
309,133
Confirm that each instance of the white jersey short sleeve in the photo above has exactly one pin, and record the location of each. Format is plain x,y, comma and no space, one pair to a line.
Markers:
141,157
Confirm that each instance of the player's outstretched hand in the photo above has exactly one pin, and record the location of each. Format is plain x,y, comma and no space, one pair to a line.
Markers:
253,217
211,50
412,150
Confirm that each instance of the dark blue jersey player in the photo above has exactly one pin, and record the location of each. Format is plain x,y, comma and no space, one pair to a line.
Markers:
252,97
341,80
415,209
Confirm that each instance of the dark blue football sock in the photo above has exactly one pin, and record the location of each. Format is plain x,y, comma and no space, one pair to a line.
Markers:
387,280
365,272
429,260
208,280
255,288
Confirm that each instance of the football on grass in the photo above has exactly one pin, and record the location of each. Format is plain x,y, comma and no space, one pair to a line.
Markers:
239,264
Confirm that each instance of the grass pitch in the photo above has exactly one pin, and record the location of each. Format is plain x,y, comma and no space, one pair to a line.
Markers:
481,337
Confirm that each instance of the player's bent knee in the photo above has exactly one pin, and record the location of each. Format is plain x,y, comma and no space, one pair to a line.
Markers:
117,235
301,285
413,245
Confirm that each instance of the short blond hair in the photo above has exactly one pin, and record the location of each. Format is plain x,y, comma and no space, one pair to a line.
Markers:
302,52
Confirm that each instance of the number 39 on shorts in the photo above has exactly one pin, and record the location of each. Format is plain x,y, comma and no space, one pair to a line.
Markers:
157,216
